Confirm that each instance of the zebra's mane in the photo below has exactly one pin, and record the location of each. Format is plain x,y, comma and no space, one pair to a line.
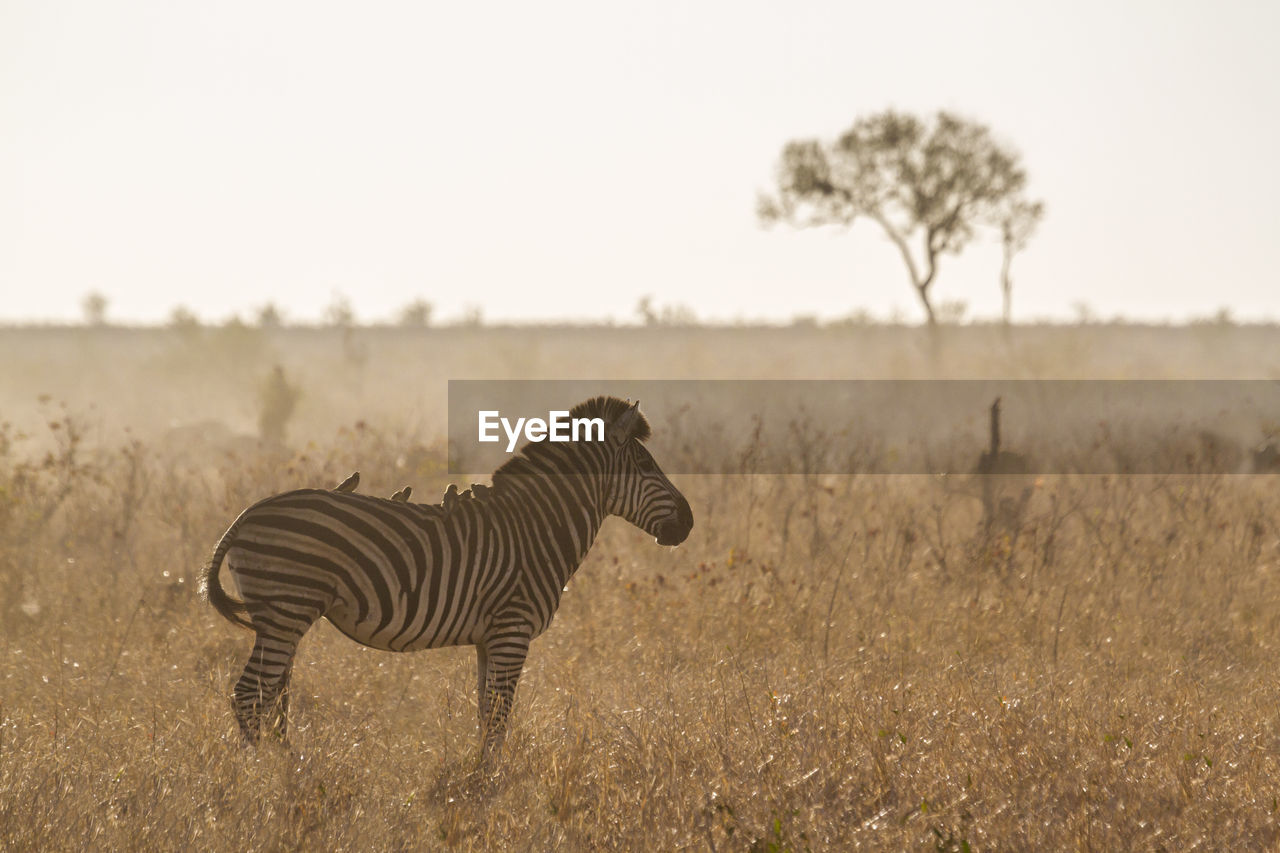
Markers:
609,409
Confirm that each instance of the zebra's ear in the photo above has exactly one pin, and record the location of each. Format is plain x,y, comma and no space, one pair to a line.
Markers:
625,424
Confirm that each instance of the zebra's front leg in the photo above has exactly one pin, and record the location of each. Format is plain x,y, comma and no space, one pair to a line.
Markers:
482,674
502,659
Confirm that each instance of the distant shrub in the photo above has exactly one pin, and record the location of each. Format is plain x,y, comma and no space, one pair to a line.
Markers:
416,315
94,306
665,315
270,317
277,400
340,314
183,319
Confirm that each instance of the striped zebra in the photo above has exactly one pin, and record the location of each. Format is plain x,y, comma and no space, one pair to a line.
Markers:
402,576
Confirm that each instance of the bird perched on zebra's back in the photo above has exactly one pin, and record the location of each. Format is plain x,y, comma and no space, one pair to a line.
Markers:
349,484
450,499
403,494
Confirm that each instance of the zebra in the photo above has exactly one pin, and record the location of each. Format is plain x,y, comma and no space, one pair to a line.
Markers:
401,576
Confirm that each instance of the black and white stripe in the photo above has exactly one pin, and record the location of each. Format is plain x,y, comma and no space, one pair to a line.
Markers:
401,576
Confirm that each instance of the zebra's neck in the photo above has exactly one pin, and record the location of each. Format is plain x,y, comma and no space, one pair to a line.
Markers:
556,520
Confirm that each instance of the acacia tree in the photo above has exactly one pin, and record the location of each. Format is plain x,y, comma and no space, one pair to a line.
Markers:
933,181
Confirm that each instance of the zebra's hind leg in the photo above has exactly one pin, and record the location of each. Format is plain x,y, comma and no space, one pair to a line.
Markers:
282,706
264,678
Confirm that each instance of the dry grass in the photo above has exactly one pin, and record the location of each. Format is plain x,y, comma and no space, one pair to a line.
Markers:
826,663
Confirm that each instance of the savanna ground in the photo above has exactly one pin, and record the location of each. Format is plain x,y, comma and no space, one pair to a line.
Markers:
828,662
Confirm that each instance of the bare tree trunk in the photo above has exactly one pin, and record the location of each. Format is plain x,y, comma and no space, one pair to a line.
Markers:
1006,289
1006,280
988,465
919,282
1015,230
922,290
935,334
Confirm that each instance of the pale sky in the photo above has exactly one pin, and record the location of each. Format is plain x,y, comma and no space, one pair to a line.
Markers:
561,160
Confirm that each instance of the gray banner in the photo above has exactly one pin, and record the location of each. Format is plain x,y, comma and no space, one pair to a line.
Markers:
899,426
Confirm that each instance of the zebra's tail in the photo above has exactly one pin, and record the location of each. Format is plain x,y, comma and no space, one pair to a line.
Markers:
211,589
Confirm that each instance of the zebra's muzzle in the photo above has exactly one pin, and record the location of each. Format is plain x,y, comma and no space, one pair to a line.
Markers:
673,531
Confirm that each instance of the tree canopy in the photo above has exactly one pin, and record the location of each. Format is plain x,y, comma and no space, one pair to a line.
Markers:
933,181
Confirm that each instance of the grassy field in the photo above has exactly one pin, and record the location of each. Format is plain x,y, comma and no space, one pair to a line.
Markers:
827,662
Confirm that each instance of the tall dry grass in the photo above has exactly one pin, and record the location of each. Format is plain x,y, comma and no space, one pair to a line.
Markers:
827,663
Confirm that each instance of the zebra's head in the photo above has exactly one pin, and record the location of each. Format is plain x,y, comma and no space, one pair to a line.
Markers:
638,490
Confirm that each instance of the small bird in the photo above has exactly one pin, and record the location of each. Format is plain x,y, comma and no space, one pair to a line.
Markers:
403,494
480,490
349,484
450,499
